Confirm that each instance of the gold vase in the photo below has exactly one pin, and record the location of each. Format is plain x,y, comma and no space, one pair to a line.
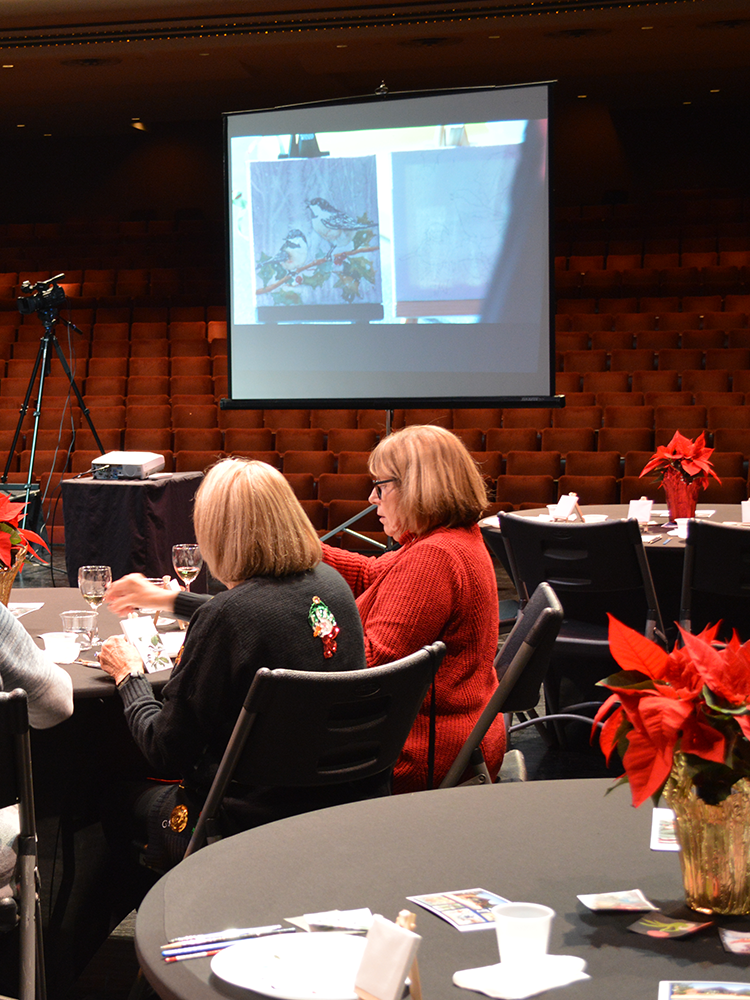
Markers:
714,844
8,576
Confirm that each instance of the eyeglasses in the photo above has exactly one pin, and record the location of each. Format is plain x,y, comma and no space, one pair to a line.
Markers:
379,484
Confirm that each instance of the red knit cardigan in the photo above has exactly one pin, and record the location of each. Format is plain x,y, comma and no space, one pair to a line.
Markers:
440,585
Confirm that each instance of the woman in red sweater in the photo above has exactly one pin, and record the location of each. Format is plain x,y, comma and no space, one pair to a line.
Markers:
439,584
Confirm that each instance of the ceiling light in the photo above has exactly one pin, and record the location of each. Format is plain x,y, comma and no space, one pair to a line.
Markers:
136,123
581,96
647,27
20,126
716,91
687,102
341,46
7,65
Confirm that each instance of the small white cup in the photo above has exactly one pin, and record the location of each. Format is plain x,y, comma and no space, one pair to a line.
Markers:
682,526
745,504
61,647
523,931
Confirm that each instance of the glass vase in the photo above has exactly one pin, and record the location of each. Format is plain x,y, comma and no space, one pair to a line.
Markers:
8,576
681,495
714,844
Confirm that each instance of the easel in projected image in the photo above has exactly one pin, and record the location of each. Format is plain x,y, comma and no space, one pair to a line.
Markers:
345,529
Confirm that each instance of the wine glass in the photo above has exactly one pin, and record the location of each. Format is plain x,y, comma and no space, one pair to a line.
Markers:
93,582
187,561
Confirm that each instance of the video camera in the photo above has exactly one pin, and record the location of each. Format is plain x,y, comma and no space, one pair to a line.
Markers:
42,297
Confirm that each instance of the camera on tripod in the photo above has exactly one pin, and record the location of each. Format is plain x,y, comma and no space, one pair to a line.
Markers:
41,297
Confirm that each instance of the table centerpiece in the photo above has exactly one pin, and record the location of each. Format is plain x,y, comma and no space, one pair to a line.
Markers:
15,544
681,724
682,468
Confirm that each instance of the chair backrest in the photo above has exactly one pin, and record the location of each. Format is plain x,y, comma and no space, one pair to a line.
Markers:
521,664
16,785
300,728
716,578
593,568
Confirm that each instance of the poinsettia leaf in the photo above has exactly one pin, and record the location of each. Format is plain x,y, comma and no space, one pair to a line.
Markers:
31,536
634,651
646,766
5,556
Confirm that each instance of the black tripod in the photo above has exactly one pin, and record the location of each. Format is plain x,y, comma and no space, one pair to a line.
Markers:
44,299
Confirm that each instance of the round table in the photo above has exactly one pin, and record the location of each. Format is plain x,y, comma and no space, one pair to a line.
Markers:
539,841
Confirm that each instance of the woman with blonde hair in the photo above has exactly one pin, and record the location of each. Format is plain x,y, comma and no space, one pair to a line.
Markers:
439,584
255,539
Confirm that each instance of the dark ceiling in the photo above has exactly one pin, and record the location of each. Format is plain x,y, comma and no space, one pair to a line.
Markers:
93,66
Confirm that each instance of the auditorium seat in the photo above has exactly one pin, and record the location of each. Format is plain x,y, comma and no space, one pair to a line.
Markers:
472,437
351,439
732,439
577,416
148,416
625,439
376,419
353,462
149,368
704,398
537,491
731,489
628,416
612,340
505,439
107,416
589,489
571,340
44,461
339,512
700,380
483,418
104,367
715,339
584,361
728,416
657,340
240,418
103,400
724,320
537,417
564,382
248,438
581,399
110,437
197,439
148,331
489,463
110,348
728,358
669,398
300,439
187,330
106,385
189,349
606,381
741,381
591,321
678,417
194,384
147,385
157,348
317,514
635,462
738,337
186,366
302,483
619,399
220,365
317,463
533,463
195,461
286,418
592,463
635,321
327,419
636,359
728,463
194,416
440,417
633,488
269,457
565,439
680,359
332,486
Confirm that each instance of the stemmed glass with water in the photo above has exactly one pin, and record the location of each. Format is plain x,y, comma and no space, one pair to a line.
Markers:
93,582
187,561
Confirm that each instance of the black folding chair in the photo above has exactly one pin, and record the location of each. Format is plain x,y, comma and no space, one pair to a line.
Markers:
300,728
17,787
521,665
594,569
716,579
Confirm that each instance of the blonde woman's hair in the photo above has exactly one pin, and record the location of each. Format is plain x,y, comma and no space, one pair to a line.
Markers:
438,481
248,522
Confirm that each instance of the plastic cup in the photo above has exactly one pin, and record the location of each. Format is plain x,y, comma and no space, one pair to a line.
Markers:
745,505
523,931
682,526
82,625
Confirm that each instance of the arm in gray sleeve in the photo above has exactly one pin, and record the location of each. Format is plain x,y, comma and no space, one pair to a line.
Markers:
22,664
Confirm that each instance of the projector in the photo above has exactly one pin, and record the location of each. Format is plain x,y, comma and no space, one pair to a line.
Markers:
127,465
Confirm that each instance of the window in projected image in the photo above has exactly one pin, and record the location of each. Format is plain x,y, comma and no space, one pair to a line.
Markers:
389,226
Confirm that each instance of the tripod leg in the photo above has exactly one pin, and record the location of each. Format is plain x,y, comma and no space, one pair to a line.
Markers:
41,355
77,391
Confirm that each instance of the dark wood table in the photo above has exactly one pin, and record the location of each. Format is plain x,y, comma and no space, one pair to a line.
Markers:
130,525
542,842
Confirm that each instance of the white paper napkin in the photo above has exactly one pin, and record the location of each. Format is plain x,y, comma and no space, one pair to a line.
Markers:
516,984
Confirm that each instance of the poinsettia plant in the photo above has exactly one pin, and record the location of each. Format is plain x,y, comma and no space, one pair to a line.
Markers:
688,458
694,701
11,535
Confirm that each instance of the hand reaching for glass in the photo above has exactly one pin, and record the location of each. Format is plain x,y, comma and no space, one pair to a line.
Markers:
134,592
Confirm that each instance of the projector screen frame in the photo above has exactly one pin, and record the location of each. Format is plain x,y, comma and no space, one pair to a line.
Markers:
393,401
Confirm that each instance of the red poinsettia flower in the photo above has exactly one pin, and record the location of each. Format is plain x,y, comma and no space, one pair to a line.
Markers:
11,535
694,701
689,458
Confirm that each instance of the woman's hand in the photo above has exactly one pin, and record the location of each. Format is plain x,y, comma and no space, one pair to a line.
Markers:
134,591
119,659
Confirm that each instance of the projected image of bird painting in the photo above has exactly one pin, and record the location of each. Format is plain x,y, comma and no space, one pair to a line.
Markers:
316,232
